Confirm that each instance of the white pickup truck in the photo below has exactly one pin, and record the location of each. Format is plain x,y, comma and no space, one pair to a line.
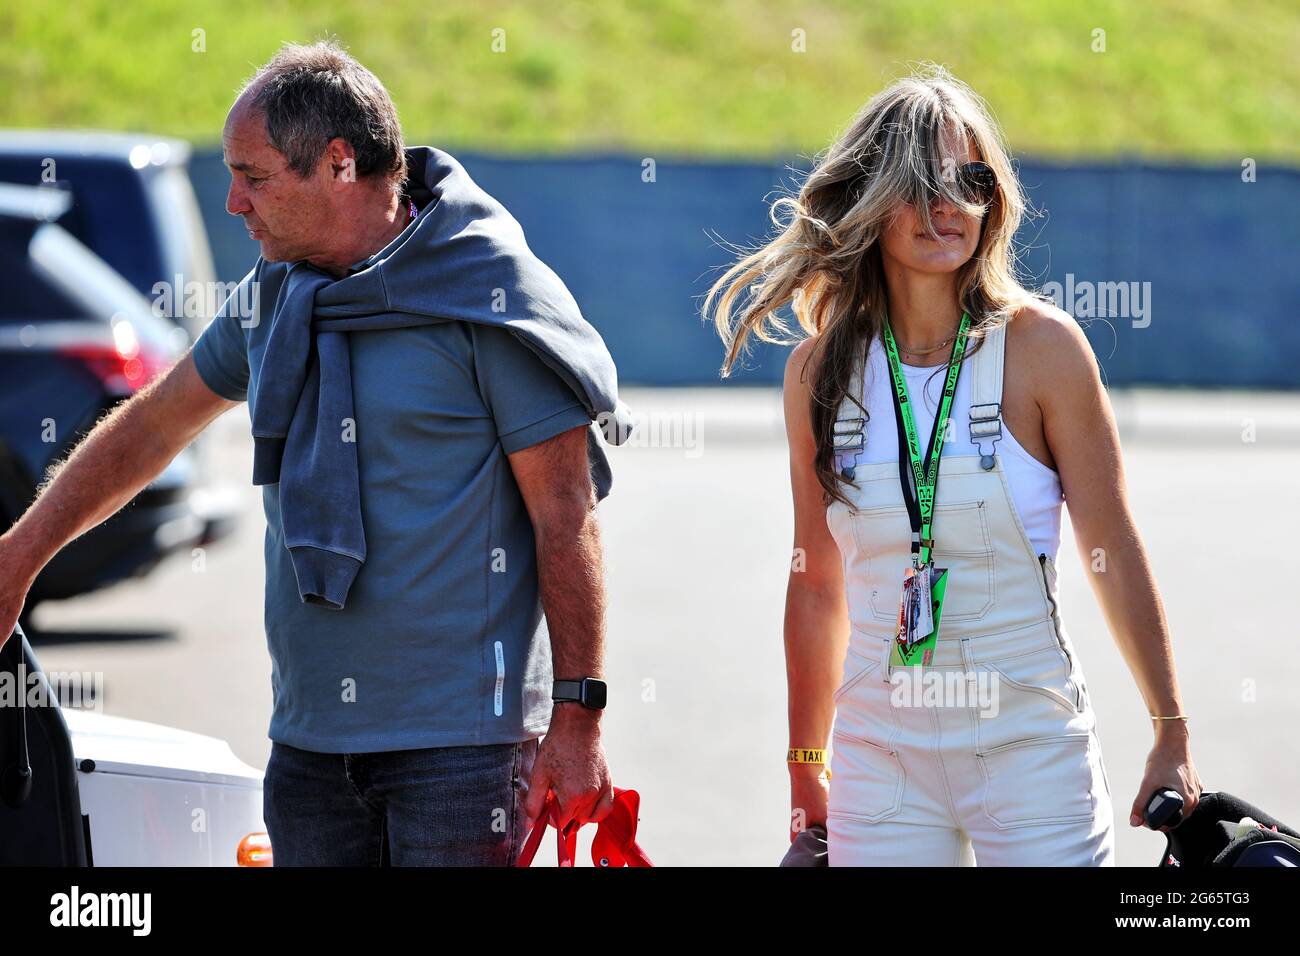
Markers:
79,788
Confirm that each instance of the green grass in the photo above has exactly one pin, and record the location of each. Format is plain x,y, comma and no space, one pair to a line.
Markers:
1198,79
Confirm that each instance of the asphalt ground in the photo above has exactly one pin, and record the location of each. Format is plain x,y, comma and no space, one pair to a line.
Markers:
697,536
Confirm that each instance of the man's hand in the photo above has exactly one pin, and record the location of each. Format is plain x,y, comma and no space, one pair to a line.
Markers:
16,578
571,762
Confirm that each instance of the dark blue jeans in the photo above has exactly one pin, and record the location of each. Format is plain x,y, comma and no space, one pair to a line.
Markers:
439,806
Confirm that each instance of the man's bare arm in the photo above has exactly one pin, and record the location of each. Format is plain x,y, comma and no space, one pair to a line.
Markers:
554,479
125,450
555,482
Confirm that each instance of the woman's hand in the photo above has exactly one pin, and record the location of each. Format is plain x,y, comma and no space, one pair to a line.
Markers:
1168,765
809,794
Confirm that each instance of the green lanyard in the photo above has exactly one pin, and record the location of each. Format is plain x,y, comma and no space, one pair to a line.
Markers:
925,474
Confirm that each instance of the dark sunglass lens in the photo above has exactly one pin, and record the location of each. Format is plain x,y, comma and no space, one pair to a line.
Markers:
977,181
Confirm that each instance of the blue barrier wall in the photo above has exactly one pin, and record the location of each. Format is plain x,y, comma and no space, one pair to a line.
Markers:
1215,260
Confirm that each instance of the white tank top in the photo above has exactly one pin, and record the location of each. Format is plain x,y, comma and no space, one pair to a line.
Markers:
1035,488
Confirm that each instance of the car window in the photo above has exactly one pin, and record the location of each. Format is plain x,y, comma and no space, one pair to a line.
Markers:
30,296
110,213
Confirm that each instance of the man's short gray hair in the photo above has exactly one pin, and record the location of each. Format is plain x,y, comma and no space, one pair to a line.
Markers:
311,94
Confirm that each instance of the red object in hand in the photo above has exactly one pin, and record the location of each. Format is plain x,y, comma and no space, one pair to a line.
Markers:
615,841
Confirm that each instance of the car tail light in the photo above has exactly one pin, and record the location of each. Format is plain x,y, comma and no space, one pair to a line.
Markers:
254,850
124,366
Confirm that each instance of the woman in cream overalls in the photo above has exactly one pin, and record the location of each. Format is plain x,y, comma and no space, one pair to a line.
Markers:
991,750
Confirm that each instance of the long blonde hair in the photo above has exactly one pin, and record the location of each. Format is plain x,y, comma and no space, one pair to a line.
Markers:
825,262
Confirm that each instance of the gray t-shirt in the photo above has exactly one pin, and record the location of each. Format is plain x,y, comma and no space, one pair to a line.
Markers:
442,641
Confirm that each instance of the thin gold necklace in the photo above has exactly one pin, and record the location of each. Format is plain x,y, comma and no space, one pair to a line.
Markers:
923,351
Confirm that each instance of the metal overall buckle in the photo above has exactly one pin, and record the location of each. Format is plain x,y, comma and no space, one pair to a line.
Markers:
849,440
986,430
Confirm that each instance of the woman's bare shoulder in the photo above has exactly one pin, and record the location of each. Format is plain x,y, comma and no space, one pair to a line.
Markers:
801,354
1048,343
1054,362
800,365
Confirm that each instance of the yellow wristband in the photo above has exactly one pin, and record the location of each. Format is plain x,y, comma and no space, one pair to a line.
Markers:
1174,717
805,755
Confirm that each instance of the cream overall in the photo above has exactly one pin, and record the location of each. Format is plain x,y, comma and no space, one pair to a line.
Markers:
992,751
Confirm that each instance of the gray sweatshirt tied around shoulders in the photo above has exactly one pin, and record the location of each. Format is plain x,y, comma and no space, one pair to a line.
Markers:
464,259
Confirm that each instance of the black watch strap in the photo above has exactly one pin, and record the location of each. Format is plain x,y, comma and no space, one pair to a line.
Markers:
588,691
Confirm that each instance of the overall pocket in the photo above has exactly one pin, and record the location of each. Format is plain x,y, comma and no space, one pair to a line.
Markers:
866,780
1034,697
963,544
1048,780
856,669
864,710
1036,749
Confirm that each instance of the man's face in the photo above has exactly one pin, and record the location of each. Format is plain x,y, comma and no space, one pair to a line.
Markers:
288,216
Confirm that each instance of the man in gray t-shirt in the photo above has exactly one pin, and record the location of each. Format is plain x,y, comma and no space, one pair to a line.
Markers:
406,722
446,606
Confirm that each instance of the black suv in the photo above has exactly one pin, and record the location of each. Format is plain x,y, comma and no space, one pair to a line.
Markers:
92,226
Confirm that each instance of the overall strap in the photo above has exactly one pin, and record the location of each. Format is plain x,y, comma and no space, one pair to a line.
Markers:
986,394
850,434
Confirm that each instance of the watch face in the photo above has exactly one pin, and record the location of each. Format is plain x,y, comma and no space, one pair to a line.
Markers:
593,693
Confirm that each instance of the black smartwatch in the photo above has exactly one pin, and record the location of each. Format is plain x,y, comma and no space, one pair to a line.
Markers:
589,692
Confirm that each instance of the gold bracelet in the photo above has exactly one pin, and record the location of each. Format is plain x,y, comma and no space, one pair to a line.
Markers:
805,755
1174,717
